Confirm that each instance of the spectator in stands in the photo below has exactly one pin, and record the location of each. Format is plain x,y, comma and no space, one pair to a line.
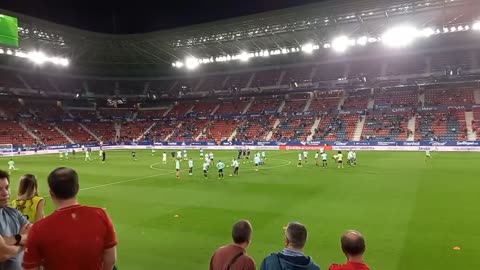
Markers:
292,257
74,236
353,246
28,202
234,256
13,230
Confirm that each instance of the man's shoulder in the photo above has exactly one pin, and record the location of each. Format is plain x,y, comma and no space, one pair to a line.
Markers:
336,266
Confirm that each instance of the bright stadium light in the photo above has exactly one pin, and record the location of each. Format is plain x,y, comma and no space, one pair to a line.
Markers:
307,48
191,63
476,26
362,41
427,32
340,44
400,36
178,64
244,56
37,57
64,62
1,51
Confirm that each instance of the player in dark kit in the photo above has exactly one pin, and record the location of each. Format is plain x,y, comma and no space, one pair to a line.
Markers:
104,156
134,155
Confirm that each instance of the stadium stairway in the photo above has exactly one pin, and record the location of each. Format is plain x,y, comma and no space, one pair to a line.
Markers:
309,101
471,135
371,103
341,102
270,134
168,110
146,131
118,128
215,110
173,131
234,133
357,135
421,98
282,105
89,131
411,126
314,127
476,96
64,135
248,105
29,132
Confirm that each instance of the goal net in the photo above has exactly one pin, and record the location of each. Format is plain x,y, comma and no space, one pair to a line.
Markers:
6,149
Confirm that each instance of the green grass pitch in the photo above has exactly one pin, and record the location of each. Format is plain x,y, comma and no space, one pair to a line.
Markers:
411,212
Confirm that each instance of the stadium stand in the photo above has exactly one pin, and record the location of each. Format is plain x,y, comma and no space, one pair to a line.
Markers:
75,132
265,104
442,126
255,128
386,126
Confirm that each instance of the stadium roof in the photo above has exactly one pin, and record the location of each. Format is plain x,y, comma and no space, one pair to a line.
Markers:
153,53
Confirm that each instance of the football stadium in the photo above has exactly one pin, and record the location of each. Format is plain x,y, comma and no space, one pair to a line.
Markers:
219,145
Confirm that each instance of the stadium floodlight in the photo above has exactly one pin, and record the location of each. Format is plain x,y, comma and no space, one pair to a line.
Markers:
476,26
244,56
327,45
362,41
1,51
64,62
340,44
307,48
466,28
427,32
400,36
191,63
266,53
37,57
179,64
9,52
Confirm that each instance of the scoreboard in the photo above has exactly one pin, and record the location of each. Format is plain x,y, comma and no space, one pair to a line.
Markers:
8,30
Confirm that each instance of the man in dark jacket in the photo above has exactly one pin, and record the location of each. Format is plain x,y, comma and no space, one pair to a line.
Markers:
291,257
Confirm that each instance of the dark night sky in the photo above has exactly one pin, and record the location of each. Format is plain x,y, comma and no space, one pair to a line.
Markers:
123,16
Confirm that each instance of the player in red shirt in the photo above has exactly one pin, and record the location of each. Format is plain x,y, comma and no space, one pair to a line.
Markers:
353,246
74,237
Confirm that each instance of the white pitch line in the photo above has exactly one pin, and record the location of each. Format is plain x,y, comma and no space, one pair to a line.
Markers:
155,175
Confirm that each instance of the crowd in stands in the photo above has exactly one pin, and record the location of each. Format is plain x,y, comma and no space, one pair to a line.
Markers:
386,111
442,126
386,127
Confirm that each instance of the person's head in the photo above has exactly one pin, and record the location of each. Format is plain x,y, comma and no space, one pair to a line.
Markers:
242,232
28,187
339,152
4,188
295,235
353,244
63,184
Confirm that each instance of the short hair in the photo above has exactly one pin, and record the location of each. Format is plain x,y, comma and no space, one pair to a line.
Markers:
296,234
242,231
4,175
353,243
63,182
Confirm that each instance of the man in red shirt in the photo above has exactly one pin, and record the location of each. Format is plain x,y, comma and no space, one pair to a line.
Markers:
74,237
353,246
234,256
